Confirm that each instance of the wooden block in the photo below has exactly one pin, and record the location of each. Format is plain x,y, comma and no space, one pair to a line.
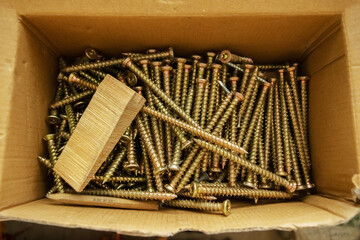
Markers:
102,201
110,111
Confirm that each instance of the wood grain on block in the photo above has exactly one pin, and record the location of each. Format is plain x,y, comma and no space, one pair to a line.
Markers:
110,111
102,201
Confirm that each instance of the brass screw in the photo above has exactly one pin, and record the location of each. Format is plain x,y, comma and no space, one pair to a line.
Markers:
166,76
198,197
119,179
114,165
249,92
193,130
204,106
148,176
224,207
299,144
145,65
61,130
81,82
251,167
185,85
297,176
151,50
272,67
133,194
158,168
201,70
198,99
93,65
178,81
89,78
98,73
156,66
46,162
131,79
174,165
245,78
53,117
131,165
157,91
58,183
285,127
237,192
93,54
71,99
53,152
234,81
214,88
226,56
190,96
156,55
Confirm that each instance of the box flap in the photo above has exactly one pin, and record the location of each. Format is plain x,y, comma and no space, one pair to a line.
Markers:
167,222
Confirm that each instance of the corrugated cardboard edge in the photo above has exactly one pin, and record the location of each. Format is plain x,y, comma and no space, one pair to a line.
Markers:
8,49
332,212
352,35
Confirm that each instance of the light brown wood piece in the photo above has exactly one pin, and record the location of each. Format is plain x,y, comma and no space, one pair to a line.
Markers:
102,201
110,111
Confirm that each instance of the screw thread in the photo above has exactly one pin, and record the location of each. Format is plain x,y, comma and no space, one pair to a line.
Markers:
185,86
58,183
114,165
213,90
47,163
249,92
81,82
238,192
251,167
199,205
174,166
88,77
198,99
119,179
152,56
149,181
178,81
93,65
204,105
159,182
199,197
278,136
219,112
272,67
149,147
193,130
71,99
132,194
159,92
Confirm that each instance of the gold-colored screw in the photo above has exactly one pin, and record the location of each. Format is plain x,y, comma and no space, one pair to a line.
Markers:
81,82
298,139
185,85
71,99
58,182
166,79
290,186
46,162
193,130
297,176
214,88
190,96
132,194
248,94
53,152
88,77
149,181
174,165
197,188
245,78
198,98
226,56
53,117
159,92
156,68
114,165
272,67
278,137
158,168
119,179
198,197
224,207
178,81
131,165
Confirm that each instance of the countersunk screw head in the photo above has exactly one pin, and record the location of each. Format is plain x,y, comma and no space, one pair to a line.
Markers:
187,67
170,188
303,78
49,137
171,52
225,56
53,119
216,66
272,81
196,57
92,54
131,79
149,51
181,60
138,89
202,65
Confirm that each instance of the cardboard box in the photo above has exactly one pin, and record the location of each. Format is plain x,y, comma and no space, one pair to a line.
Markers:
323,36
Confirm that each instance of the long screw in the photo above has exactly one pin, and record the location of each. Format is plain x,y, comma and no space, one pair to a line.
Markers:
224,207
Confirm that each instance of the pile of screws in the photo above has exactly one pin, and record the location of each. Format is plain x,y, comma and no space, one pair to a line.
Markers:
210,129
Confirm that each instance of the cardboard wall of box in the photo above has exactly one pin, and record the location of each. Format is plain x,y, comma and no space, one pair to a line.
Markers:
323,36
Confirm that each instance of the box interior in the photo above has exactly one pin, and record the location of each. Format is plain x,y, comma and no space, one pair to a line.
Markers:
317,42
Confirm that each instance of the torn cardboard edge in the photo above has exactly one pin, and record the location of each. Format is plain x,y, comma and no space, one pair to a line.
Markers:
110,112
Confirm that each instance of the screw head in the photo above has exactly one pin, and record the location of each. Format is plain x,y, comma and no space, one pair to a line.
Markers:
292,187
49,137
171,52
144,61
63,117
181,60
300,187
156,63
215,169
201,81
281,173
234,79
174,167
309,185
92,54
127,62
152,50
196,57
225,56
303,78
187,67
201,65
79,105
249,184
239,96
160,170
265,186
131,167
193,189
187,144
216,66
249,66
272,81
226,207
290,69
53,120
131,79
166,69
138,89
211,54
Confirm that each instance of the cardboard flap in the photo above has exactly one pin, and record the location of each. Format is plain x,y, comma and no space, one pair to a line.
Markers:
167,222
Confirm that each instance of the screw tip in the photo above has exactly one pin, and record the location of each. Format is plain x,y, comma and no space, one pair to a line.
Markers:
171,52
